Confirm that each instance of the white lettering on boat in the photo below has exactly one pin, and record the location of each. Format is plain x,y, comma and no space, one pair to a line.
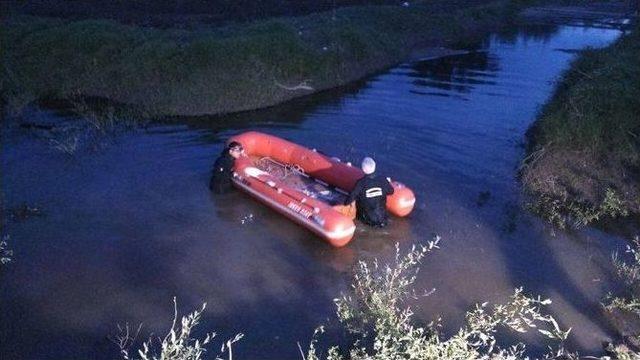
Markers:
299,209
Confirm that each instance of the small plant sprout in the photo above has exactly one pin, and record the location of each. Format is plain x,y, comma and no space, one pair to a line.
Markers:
178,344
5,253
629,272
125,339
67,145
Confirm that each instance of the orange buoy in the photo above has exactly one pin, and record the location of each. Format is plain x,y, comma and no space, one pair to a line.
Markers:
307,202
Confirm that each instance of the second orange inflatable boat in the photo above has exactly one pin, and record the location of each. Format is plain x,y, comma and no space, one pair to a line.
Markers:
305,185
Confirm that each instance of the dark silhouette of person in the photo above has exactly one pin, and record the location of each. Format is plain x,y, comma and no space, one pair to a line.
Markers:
222,172
370,194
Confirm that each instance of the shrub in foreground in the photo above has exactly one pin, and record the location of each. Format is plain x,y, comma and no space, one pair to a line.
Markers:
385,329
178,344
373,313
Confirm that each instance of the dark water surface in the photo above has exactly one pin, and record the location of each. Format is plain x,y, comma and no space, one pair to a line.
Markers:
128,227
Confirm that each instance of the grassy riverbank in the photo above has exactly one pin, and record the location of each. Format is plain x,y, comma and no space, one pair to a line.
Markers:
212,70
584,154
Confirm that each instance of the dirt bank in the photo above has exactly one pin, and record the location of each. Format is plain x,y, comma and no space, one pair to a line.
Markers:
584,155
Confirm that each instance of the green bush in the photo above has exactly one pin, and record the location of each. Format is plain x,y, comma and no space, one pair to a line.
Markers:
564,211
373,313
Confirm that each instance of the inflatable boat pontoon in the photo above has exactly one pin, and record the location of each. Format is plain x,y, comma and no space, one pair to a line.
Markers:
305,185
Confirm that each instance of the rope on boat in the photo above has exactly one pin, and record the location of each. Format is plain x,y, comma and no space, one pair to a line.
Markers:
289,169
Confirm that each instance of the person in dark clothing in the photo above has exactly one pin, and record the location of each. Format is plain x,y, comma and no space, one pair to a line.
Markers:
370,194
222,172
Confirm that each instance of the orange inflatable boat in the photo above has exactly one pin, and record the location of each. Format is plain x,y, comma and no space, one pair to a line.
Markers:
305,185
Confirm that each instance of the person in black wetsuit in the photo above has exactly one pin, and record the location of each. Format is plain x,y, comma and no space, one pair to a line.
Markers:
223,168
370,194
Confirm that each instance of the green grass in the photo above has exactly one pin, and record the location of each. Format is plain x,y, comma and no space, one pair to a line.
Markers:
597,103
217,70
584,158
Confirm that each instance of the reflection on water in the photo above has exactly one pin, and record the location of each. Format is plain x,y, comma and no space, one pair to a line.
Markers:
452,74
132,225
